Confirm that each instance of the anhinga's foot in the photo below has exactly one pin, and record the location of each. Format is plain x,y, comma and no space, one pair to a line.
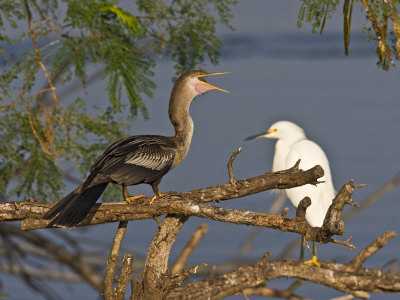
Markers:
313,261
155,197
130,199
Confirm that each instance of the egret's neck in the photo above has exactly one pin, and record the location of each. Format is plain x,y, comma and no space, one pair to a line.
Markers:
292,139
182,122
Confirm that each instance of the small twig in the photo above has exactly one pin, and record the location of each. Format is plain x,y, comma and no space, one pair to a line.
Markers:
379,194
113,260
177,278
371,249
37,52
266,292
345,243
189,247
284,212
232,178
43,91
59,253
345,297
50,23
295,285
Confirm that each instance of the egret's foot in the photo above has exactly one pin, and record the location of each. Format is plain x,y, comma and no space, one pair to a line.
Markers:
155,197
130,199
313,261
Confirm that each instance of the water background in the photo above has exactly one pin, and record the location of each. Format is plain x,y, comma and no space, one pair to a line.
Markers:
346,104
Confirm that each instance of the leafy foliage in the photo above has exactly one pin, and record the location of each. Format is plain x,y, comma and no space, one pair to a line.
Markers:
42,130
382,16
316,12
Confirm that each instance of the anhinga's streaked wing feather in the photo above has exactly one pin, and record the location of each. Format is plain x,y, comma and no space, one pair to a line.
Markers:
134,160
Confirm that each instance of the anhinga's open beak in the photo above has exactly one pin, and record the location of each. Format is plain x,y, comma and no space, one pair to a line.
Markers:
209,85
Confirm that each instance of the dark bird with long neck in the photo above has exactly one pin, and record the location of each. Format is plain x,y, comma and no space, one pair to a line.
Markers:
137,159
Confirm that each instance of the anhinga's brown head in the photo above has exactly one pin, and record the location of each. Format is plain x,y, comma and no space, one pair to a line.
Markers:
191,85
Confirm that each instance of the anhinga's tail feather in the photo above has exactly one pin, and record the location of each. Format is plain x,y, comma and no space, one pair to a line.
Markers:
74,207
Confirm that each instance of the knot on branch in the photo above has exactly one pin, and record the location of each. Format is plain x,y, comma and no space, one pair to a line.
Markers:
264,260
232,178
333,225
332,222
302,207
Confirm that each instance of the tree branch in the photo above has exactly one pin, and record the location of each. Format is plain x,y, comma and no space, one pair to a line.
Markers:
156,266
188,249
192,204
113,260
349,278
31,212
59,252
123,278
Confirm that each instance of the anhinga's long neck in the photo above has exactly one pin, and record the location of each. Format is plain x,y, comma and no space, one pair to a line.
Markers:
183,124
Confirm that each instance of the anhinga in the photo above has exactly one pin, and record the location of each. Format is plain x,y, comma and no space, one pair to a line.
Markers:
137,159
291,146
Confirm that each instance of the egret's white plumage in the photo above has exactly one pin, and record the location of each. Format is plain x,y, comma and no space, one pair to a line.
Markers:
292,145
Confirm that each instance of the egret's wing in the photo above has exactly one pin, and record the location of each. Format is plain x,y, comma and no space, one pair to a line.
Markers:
321,195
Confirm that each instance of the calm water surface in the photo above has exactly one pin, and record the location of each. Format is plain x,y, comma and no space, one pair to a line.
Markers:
346,104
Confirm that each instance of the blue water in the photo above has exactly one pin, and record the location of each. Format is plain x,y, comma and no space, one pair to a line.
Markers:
346,104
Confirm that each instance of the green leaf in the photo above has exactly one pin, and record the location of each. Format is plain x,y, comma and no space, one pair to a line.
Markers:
126,17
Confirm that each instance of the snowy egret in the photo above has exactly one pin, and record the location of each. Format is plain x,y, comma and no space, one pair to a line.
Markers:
292,145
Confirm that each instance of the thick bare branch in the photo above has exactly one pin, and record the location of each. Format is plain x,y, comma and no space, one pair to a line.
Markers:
355,281
174,204
156,266
113,260
32,212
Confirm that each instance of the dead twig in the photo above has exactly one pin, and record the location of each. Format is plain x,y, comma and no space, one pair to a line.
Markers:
188,249
349,278
232,178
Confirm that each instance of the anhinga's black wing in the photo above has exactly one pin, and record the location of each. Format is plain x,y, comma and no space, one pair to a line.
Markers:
134,160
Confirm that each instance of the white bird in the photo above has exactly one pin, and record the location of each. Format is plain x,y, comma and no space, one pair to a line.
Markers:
292,145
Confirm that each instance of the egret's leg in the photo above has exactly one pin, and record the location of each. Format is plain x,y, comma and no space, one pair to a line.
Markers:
303,244
314,258
128,198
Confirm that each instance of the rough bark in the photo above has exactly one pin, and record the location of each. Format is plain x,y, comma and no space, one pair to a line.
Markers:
31,212
349,278
161,282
